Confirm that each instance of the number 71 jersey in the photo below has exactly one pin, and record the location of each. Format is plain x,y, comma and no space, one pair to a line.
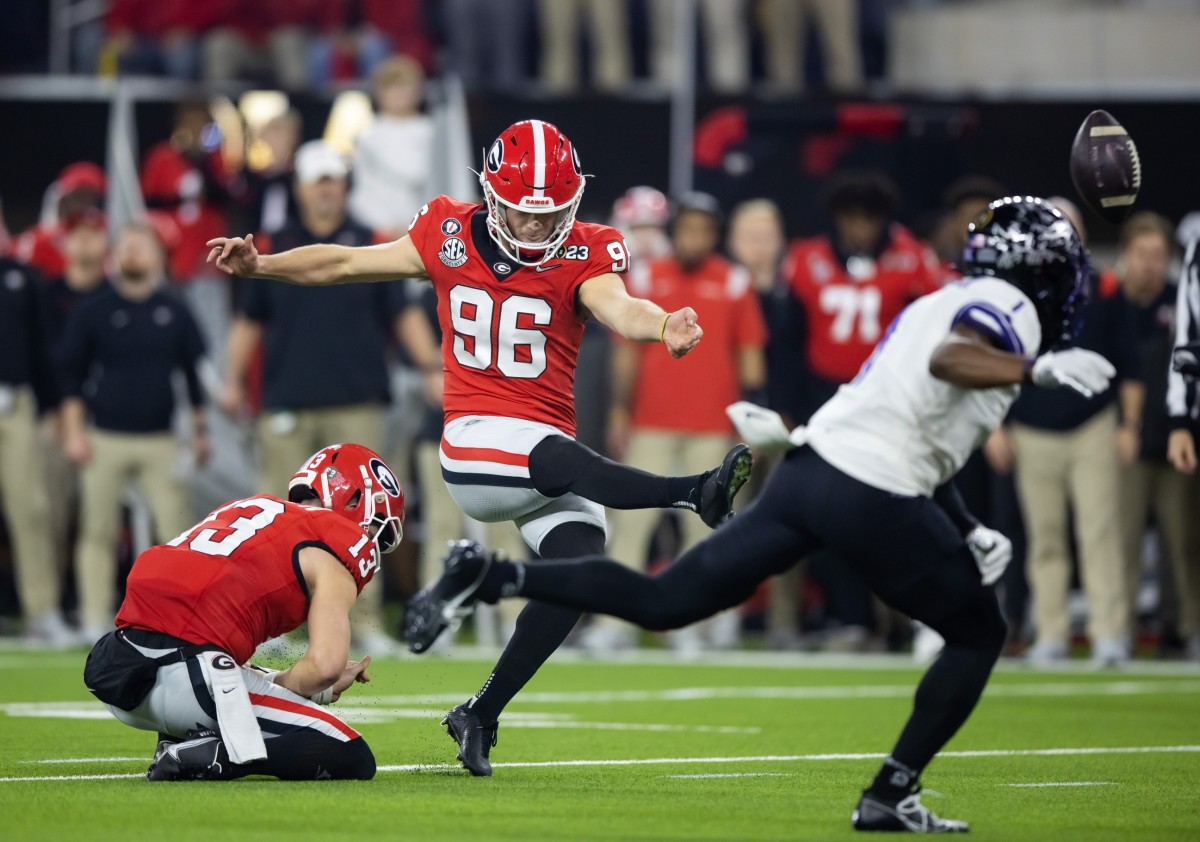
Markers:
510,333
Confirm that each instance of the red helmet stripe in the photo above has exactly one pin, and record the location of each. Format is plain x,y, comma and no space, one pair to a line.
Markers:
539,158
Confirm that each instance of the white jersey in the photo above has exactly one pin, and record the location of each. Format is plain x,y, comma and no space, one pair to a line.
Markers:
898,428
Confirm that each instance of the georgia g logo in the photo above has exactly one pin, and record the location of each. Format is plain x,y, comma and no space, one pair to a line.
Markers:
223,662
387,480
575,161
495,156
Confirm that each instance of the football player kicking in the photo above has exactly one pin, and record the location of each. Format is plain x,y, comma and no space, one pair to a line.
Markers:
516,278
870,479
197,607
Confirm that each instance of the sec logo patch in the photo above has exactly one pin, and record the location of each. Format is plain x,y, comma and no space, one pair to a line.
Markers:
453,253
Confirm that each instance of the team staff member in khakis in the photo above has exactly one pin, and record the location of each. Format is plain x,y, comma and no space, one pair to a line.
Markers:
198,606
324,351
120,352
646,424
27,384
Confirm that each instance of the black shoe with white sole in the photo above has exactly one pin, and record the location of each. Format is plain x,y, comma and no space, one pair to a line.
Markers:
201,757
720,485
448,600
907,815
475,739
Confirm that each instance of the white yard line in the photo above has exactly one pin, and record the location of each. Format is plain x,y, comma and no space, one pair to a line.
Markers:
731,775
1064,783
85,760
837,693
682,761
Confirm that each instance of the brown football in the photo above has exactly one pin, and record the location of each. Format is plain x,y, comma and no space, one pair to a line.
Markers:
1105,166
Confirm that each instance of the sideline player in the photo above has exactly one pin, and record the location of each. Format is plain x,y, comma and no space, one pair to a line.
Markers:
197,607
516,278
871,480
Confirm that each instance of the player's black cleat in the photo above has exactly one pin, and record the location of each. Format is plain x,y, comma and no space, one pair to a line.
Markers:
201,757
475,739
448,600
719,486
907,815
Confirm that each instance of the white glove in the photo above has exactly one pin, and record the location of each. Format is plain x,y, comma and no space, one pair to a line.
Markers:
992,550
1086,372
762,429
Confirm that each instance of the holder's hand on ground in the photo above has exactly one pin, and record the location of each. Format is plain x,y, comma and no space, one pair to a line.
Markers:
354,671
682,332
1085,372
234,255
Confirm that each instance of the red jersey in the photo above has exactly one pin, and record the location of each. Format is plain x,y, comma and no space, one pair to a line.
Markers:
510,333
706,380
234,580
846,313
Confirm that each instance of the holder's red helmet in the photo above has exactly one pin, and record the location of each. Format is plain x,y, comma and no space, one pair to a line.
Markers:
531,167
357,484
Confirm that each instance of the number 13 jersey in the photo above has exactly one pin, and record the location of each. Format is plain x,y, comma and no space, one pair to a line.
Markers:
510,333
234,579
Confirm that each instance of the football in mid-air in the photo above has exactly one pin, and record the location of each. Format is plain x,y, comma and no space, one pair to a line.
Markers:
1105,166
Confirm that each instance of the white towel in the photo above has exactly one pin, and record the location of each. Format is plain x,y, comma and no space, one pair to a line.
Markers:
235,716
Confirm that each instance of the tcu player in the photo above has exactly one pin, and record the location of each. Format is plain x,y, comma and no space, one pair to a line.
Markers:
516,278
199,606
870,478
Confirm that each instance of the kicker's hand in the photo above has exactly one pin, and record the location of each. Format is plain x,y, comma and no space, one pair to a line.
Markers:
1085,372
234,255
682,332
992,551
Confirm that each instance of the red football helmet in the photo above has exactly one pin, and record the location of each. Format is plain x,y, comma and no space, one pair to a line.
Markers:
531,167
355,482
641,206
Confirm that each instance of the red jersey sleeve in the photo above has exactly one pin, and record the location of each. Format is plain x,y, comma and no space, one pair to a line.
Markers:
347,542
424,229
600,249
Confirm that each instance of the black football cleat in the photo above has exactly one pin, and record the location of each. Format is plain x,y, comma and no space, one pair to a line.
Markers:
201,757
719,486
474,738
448,600
908,815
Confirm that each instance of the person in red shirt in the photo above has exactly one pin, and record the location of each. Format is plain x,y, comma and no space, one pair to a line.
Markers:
854,281
647,427
80,190
850,285
515,279
198,606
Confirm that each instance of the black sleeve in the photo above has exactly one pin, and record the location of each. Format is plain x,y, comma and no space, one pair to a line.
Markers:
77,350
46,385
191,346
950,499
255,303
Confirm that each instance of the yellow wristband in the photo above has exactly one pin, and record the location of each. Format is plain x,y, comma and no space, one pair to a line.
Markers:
662,331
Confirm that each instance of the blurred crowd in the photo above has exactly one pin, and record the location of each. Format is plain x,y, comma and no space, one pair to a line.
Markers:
140,387
563,46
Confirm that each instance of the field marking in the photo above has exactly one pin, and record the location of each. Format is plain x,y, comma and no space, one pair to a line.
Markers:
731,775
683,761
1065,783
836,692
85,760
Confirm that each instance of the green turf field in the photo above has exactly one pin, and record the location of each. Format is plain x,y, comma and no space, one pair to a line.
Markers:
634,751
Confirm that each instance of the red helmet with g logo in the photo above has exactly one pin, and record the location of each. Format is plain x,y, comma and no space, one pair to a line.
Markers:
357,484
531,167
